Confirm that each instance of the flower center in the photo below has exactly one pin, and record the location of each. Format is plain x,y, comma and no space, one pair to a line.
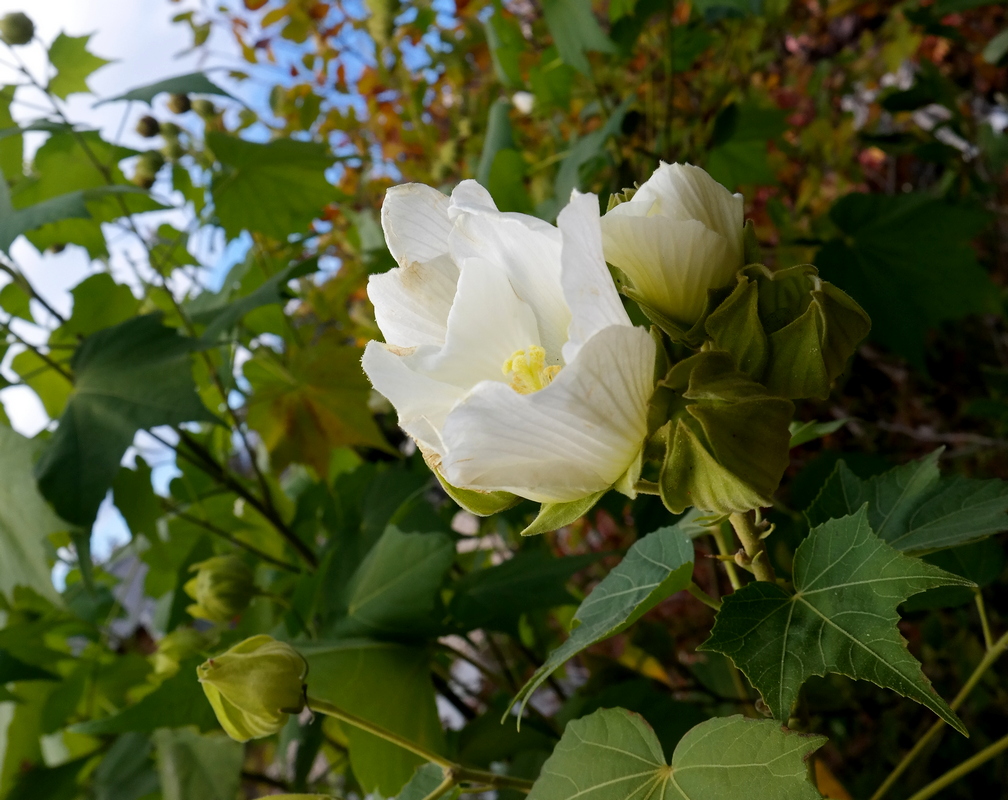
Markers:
527,371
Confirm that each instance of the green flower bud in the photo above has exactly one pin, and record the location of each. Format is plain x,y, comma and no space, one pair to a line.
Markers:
179,103
173,150
175,647
16,28
204,107
726,440
790,330
255,686
223,588
147,126
169,130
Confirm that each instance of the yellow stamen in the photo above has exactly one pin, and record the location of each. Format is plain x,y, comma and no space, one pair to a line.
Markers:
527,371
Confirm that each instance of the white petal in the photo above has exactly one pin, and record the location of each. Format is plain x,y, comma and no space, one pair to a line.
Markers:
421,403
469,197
671,263
682,191
587,285
415,220
412,302
528,252
487,324
573,438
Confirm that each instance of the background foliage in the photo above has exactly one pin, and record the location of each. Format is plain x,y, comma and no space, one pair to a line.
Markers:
867,137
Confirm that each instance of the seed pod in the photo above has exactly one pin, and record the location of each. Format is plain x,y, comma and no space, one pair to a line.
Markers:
173,150
203,107
169,130
148,127
16,28
179,103
223,588
255,686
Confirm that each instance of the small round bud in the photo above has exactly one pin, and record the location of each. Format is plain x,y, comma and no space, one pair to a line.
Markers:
169,130
203,107
255,686
179,103
177,646
223,588
16,28
148,127
173,150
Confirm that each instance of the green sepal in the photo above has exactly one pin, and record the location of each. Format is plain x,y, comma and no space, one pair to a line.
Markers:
727,441
555,515
482,504
692,336
617,198
788,329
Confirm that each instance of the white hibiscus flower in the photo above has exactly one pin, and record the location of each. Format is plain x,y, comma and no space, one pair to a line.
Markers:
509,357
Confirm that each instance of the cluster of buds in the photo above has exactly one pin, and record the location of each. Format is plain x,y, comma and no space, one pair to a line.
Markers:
255,686
173,149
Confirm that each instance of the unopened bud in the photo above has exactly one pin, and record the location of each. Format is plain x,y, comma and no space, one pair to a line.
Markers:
179,103
147,126
255,686
16,28
203,107
223,588
169,130
173,150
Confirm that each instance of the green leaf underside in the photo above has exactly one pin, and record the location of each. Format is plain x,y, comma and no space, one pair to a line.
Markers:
614,755
656,567
841,619
915,509
128,377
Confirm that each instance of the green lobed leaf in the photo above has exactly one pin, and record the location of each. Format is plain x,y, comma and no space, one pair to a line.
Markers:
914,508
657,566
190,83
424,781
276,188
389,685
841,619
192,765
911,247
73,63
614,755
25,519
131,376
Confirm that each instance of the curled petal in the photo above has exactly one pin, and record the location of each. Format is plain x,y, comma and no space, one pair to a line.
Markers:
573,438
415,220
412,302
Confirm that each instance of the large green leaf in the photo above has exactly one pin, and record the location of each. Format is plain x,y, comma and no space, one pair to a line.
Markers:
190,83
914,508
496,597
25,519
275,189
914,248
614,755
196,766
178,702
738,152
657,566
131,376
841,619
73,63
395,589
127,770
389,685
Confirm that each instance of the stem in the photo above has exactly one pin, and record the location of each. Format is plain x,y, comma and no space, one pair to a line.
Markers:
992,655
454,773
965,768
751,536
723,549
703,597
984,624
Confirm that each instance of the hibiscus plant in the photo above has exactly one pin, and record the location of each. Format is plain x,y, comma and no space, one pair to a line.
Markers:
572,401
